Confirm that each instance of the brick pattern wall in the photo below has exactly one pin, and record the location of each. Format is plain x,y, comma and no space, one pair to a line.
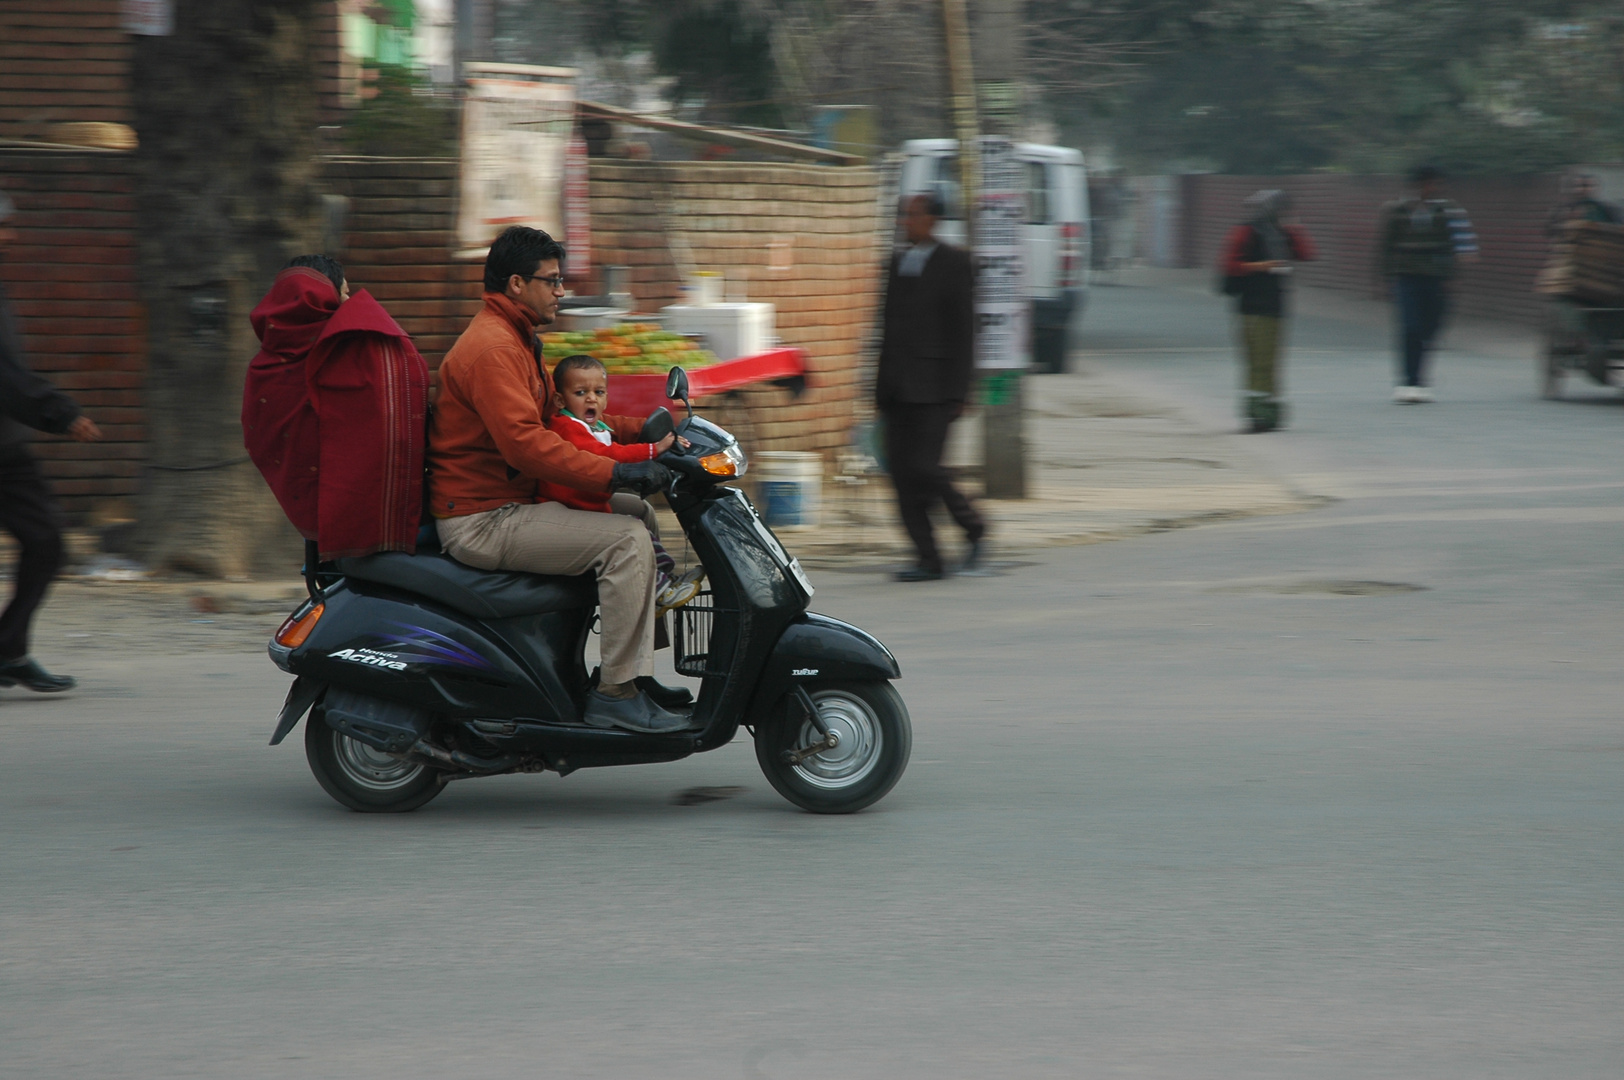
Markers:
1341,214
69,60
798,236
72,280
399,237
61,60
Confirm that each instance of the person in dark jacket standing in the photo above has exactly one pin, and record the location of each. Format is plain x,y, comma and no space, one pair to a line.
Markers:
1256,265
1423,238
27,510
927,357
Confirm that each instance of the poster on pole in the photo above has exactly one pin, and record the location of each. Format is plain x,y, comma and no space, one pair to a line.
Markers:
577,210
516,128
148,18
1003,312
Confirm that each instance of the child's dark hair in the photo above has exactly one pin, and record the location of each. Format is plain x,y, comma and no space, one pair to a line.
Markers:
577,362
321,264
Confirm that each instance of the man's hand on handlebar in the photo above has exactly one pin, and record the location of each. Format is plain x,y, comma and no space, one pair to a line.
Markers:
643,477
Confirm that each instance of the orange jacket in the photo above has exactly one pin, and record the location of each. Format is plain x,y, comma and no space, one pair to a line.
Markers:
489,444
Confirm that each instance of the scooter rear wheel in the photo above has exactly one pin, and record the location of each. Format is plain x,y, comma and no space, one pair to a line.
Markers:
875,739
364,779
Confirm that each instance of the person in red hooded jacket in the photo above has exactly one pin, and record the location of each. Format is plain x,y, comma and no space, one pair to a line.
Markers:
334,412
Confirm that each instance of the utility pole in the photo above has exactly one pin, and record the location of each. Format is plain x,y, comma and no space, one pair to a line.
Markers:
998,39
994,97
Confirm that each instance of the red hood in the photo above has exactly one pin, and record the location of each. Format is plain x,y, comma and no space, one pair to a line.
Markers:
292,315
361,313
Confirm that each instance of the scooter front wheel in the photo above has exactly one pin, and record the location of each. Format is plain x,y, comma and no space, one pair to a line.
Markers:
365,779
874,738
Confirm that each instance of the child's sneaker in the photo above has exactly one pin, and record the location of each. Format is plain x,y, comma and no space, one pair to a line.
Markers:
671,593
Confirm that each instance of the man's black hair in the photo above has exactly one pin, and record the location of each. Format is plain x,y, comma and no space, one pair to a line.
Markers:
519,250
321,264
1423,174
576,362
934,204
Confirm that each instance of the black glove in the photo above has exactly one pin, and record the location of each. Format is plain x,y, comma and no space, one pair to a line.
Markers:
643,477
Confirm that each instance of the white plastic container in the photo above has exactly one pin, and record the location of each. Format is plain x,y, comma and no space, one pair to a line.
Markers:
706,287
730,330
590,318
789,487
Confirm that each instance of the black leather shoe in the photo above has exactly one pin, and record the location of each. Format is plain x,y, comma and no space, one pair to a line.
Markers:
919,573
666,697
27,672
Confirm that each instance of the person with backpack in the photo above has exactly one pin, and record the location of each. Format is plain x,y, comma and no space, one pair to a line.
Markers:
1256,266
1423,239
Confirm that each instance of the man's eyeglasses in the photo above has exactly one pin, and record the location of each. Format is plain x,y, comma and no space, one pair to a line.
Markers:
555,282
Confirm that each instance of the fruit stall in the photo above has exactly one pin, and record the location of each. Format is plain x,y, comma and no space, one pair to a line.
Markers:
638,356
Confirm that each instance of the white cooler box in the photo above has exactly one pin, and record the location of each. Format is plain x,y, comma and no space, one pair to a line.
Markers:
731,330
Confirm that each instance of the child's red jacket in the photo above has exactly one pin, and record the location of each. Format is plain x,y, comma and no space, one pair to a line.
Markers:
576,433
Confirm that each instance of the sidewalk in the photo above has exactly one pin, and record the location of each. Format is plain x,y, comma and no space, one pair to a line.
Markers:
1104,464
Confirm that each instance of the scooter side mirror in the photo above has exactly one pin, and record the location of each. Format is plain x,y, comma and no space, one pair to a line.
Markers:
676,387
658,425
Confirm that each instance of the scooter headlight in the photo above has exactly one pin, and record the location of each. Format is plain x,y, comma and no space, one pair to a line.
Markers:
729,461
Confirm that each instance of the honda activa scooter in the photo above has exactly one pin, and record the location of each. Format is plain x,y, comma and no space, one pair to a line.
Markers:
417,670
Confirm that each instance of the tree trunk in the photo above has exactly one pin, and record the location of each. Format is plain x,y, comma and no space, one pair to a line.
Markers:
226,110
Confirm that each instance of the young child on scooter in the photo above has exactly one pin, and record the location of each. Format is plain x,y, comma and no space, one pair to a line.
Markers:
580,400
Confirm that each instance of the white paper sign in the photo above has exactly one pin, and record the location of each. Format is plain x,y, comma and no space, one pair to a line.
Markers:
149,18
1003,311
516,126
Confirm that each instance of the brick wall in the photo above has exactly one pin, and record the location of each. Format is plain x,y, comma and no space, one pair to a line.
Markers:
798,236
69,60
61,60
1341,213
399,237
72,279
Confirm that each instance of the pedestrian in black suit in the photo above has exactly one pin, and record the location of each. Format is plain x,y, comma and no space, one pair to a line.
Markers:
927,358
27,510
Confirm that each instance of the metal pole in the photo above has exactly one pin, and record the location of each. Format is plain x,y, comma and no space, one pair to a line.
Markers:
999,37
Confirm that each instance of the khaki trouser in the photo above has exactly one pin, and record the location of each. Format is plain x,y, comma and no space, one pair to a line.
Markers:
1260,339
551,538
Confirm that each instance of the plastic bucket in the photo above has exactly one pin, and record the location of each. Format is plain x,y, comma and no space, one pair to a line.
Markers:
789,485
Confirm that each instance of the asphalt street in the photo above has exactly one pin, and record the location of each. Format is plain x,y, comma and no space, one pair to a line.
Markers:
1329,794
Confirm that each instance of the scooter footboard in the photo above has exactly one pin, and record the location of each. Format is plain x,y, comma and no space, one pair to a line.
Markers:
815,648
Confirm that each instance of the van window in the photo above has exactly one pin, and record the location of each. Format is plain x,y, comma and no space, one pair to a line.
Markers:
945,183
1037,193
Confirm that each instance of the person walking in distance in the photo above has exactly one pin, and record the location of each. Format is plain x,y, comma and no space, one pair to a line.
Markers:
27,510
1257,264
927,357
1423,239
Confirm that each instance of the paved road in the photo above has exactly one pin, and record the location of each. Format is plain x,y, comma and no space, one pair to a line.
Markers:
1189,805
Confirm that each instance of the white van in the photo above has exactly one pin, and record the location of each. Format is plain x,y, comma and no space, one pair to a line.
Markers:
1056,241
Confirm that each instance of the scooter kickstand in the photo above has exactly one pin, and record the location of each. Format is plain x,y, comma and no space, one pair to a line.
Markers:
829,741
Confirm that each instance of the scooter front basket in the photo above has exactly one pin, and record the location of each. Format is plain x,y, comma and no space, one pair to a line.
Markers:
694,623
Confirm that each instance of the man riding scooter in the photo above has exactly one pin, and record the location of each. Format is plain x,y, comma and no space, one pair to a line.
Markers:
489,448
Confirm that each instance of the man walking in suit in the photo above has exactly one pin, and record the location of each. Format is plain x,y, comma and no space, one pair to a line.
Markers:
927,357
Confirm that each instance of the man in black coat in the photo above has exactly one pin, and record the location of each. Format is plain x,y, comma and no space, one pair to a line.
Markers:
927,358
27,510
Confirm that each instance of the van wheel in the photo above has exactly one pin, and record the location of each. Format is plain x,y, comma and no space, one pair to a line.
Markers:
363,778
875,739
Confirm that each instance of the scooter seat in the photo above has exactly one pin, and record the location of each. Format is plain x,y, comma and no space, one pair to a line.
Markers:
484,594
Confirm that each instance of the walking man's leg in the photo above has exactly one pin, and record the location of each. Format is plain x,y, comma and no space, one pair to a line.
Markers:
1407,292
1434,303
29,513
905,455
938,480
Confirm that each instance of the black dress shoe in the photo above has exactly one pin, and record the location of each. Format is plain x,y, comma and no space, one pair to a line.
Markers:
919,573
27,672
666,697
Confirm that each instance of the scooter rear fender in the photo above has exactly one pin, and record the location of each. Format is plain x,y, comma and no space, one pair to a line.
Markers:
817,649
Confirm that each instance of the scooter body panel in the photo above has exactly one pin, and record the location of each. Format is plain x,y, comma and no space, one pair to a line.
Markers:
399,647
816,648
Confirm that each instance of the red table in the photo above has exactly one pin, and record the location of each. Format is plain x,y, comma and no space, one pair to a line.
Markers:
639,395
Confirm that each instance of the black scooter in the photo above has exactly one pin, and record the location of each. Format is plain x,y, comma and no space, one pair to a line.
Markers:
418,670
